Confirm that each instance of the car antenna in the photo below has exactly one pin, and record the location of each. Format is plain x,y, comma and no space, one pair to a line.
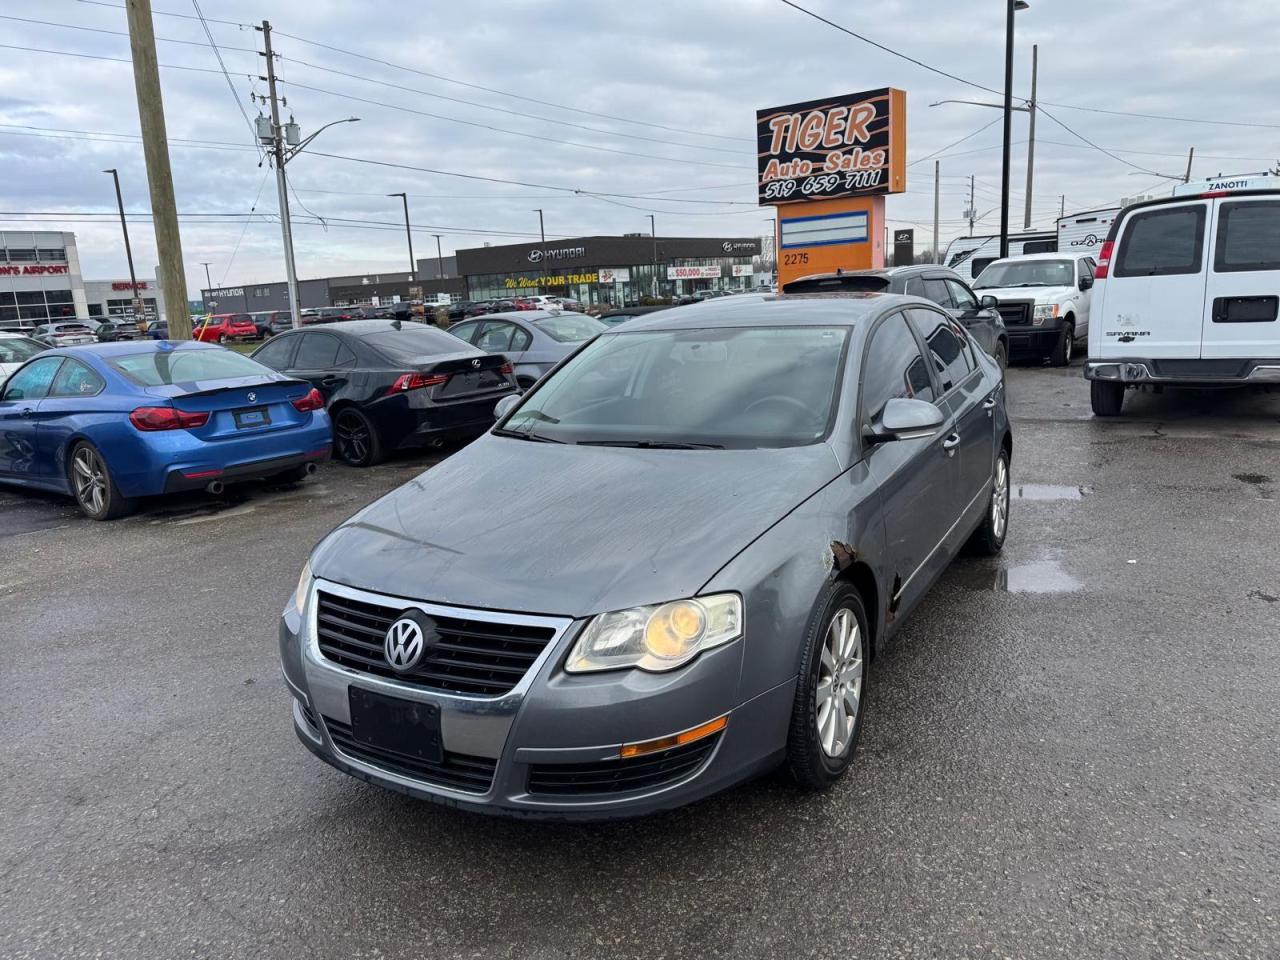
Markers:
395,323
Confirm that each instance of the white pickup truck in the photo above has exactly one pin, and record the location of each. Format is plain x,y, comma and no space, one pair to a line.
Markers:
1044,301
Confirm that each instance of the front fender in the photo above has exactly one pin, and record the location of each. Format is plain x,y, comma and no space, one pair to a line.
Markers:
782,573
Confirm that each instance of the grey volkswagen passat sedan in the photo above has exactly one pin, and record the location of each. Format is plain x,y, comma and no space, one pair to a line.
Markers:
666,569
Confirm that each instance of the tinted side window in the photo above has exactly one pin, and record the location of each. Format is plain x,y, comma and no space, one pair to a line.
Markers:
318,351
960,295
915,287
276,353
32,381
947,347
936,290
521,340
76,380
1248,236
465,331
345,357
1162,243
496,337
894,368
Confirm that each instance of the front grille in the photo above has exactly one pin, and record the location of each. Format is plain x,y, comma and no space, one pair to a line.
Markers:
475,657
1015,314
621,775
457,771
309,716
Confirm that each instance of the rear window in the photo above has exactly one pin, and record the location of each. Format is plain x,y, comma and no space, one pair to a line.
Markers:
18,349
570,329
414,341
864,283
1248,236
1162,243
164,367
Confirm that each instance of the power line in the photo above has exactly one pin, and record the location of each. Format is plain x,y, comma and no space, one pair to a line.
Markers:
1084,139
96,56
167,13
245,229
515,113
230,86
511,133
117,33
969,136
1164,117
890,50
507,93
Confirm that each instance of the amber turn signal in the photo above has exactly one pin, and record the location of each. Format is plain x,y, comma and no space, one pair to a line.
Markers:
675,740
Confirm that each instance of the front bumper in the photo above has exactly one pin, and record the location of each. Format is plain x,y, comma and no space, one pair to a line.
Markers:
1188,373
1040,341
507,754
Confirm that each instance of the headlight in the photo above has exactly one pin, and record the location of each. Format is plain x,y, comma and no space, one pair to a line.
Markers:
1043,312
657,638
304,587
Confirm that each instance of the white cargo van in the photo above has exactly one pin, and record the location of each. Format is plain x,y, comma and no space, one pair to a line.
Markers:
1188,294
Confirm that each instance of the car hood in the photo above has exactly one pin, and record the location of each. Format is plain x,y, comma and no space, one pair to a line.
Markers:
1038,294
568,530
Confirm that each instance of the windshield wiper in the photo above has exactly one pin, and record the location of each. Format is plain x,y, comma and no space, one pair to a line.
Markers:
539,415
651,444
527,435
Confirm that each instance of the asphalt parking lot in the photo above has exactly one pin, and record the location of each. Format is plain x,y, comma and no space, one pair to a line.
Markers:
1071,751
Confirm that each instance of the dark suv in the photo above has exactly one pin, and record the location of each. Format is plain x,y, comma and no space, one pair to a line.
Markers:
939,284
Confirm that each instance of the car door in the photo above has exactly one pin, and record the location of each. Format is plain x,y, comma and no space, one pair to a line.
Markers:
73,394
969,397
320,360
983,325
1242,305
1153,298
917,479
19,404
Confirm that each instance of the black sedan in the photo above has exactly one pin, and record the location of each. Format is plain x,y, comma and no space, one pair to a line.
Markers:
390,385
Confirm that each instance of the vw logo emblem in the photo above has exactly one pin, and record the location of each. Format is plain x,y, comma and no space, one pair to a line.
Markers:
535,256
476,363
252,397
404,644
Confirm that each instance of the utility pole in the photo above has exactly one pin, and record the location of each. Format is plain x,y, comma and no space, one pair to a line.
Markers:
207,280
282,188
155,150
413,264
439,257
138,307
937,198
973,211
1031,134
653,232
1062,206
1190,156
542,268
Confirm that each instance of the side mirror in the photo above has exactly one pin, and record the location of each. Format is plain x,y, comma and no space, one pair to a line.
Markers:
1086,283
906,419
988,302
505,405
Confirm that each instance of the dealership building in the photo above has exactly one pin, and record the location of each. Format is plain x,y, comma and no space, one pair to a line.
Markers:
434,277
610,270
40,281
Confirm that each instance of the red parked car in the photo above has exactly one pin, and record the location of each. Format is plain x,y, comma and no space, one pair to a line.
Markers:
522,304
222,327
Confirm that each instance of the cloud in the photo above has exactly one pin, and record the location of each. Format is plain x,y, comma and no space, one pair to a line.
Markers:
695,72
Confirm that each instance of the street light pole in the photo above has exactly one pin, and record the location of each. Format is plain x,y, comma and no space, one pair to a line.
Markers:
413,264
653,232
1031,134
208,281
128,251
439,258
1008,127
542,270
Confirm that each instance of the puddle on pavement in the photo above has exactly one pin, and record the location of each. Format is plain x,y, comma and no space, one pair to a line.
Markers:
1040,576
1048,491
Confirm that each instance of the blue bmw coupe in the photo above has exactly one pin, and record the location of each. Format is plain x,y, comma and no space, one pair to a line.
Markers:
112,422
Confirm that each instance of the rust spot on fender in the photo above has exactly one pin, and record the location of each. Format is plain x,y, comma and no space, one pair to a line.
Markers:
843,554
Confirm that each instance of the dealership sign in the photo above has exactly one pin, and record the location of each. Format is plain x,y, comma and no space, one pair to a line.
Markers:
556,253
615,274
34,270
693,273
126,285
846,146
525,283
743,270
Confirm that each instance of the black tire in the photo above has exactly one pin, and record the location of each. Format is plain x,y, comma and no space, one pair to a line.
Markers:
1002,356
222,338
92,485
355,440
811,762
1106,398
988,539
1065,349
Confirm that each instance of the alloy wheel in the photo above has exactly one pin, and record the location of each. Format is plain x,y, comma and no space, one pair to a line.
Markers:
1000,499
353,437
90,479
839,688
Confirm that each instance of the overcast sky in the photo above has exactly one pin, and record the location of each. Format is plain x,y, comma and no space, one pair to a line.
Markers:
688,75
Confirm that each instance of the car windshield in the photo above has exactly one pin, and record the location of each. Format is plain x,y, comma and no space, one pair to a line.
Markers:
18,349
739,387
414,341
1027,273
164,367
570,329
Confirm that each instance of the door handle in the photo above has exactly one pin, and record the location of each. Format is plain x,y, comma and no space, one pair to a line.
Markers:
989,404
950,444
26,412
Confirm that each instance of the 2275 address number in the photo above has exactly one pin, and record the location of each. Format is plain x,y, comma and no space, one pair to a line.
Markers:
794,259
